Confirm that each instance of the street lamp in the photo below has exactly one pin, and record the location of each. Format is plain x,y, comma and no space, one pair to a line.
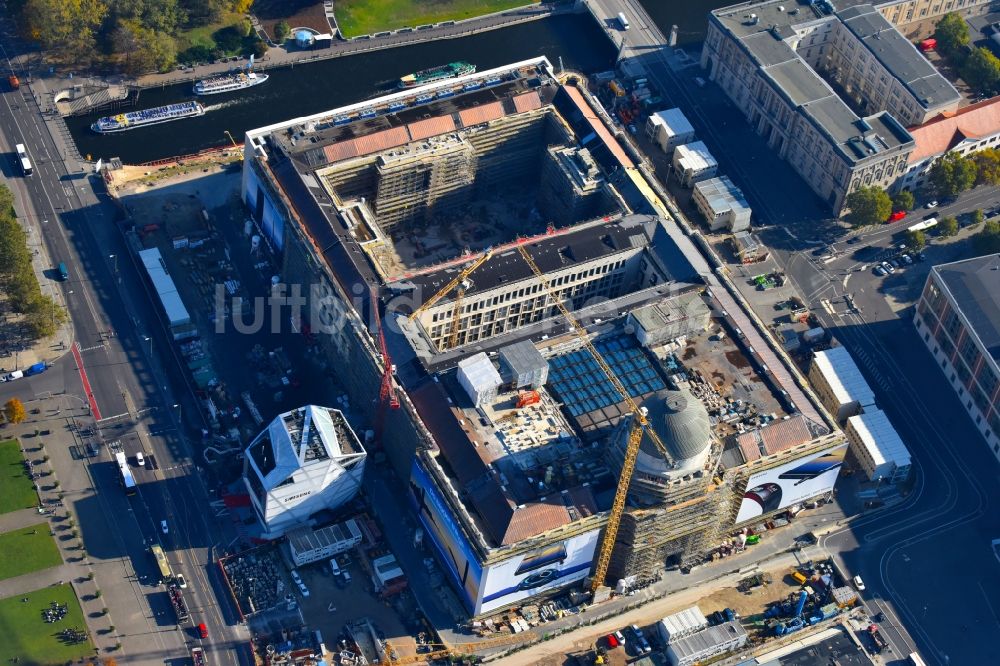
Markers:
150,341
114,257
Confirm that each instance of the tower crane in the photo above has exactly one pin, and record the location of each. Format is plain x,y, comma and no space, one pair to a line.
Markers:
387,397
640,425
458,284
458,279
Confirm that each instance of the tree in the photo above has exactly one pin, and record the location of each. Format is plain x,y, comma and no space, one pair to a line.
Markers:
44,316
258,48
982,70
903,200
977,217
952,34
868,206
145,50
65,27
916,240
952,174
281,31
14,410
948,226
987,166
987,241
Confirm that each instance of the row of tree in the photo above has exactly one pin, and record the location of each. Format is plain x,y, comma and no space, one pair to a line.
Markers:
977,66
137,36
42,314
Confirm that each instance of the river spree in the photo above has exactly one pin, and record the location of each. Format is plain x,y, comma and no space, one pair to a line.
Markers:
326,84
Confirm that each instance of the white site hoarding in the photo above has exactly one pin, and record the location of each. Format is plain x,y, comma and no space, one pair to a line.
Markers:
534,572
793,482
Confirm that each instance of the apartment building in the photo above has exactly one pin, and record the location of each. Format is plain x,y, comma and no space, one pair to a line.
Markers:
915,18
958,318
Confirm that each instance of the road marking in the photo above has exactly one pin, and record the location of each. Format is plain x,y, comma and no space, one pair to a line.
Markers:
86,383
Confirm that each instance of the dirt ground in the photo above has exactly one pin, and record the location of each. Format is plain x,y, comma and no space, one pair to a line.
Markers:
137,179
718,597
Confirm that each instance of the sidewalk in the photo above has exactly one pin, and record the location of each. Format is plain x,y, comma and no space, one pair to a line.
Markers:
53,489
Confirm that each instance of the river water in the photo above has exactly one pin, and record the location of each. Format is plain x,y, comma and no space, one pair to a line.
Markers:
318,86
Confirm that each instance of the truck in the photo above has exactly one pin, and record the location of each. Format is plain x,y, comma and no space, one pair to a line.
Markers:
197,656
177,601
13,81
877,638
36,369
622,21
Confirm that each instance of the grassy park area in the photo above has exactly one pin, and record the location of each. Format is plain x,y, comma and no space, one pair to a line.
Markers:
16,489
27,549
366,17
30,639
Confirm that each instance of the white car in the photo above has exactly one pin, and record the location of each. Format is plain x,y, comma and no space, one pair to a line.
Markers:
931,204
888,268
296,577
181,581
303,589
163,526
879,271
858,583
140,459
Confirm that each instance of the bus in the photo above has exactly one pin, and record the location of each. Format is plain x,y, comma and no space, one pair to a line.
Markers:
915,660
923,225
125,474
166,575
22,158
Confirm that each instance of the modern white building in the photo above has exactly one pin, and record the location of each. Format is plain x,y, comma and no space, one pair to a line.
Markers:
306,460
722,204
958,318
681,624
307,545
707,643
971,129
877,446
669,129
693,162
839,383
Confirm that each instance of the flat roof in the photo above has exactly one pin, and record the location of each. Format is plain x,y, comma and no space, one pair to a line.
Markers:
583,243
695,156
675,122
842,374
880,438
722,194
707,639
974,286
685,620
899,56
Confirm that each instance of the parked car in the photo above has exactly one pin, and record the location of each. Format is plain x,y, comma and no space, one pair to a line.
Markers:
620,636
921,256
888,268
931,204
906,259
858,583
163,526
140,459
879,271
611,641
853,239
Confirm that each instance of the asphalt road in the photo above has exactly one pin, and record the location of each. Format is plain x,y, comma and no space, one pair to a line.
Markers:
927,563
113,322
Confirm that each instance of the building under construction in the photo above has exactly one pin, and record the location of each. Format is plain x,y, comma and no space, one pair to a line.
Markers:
503,295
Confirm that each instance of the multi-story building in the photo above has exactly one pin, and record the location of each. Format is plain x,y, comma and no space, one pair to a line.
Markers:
694,162
916,18
839,383
971,129
771,59
503,432
306,460
958,318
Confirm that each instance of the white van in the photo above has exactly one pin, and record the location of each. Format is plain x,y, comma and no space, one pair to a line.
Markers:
622,21
11,376
334,567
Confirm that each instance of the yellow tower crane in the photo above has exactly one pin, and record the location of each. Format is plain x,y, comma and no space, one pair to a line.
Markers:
639,426
463,274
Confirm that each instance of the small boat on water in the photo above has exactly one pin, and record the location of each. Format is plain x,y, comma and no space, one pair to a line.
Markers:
236,80
134,119
424,76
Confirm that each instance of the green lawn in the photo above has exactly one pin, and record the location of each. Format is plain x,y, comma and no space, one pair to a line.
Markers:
27,549
33,641
366,17
16,489
202,35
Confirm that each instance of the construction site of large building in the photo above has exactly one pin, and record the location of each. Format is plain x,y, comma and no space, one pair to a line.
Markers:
572,396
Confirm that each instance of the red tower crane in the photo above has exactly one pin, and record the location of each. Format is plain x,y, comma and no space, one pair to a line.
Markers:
387,398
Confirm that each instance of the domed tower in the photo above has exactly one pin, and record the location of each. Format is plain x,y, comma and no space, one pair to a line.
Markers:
684,427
